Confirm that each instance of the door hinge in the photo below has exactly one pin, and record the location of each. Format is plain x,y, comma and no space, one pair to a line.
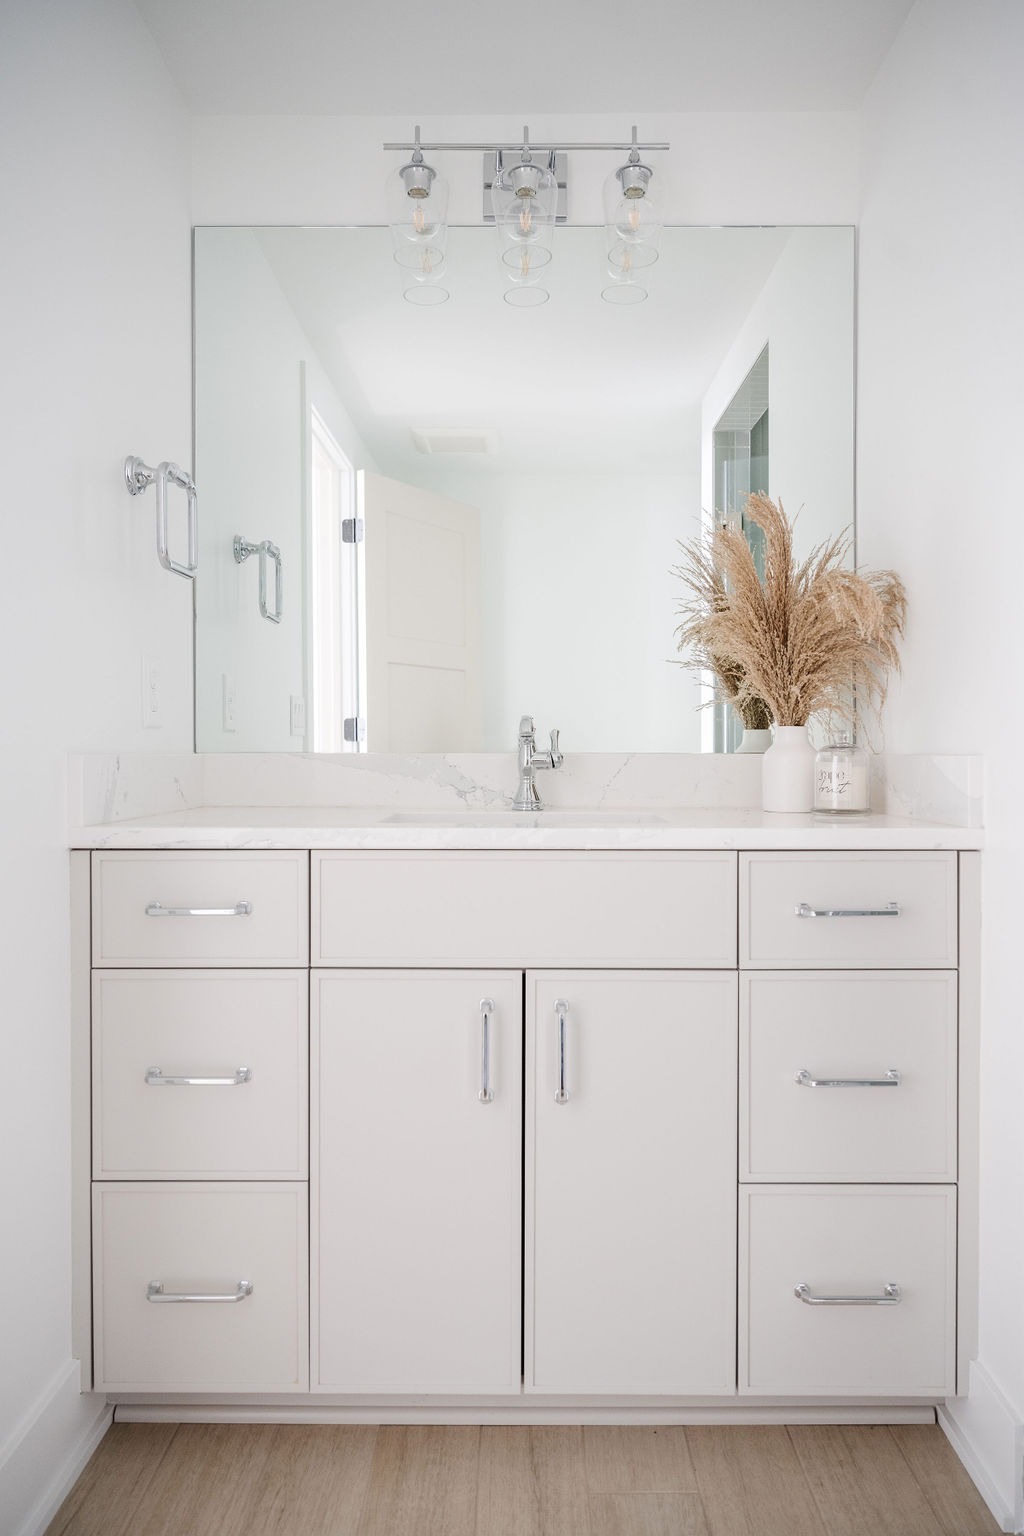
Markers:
352,530
354,728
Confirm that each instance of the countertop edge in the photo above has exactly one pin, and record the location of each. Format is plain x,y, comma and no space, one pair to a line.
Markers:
748,831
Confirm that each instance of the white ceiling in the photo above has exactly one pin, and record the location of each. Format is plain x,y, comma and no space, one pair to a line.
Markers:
537,56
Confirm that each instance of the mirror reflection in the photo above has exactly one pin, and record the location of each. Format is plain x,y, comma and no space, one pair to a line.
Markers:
463,513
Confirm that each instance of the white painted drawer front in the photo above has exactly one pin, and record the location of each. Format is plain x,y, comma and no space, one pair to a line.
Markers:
544,909
631,1183
780,891
241,1034
201,1239
217,887
845,1031
417,1191
847,1242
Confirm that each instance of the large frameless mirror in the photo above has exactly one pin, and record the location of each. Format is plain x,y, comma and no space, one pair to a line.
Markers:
420,522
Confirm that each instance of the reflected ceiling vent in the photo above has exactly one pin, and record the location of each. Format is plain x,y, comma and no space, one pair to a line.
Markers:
454,440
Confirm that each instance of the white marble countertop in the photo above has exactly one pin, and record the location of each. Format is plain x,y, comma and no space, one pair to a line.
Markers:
408,828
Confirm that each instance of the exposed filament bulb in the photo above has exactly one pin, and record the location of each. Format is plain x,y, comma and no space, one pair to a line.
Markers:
525,219
419,223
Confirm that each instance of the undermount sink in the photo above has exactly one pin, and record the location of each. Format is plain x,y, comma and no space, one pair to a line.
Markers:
507,818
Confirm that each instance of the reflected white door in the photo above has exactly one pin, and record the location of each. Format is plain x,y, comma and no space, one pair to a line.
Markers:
422,619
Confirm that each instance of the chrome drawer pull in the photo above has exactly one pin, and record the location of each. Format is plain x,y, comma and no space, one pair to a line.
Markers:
892,1079
891,909
486,1094
240,909
890,1297
562,1092
155,1292
156,1079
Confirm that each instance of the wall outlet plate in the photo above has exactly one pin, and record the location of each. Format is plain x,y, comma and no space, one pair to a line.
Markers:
152,713
229,703
297,715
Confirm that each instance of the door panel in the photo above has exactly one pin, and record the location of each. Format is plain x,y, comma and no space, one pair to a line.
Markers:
416,1187
631,1183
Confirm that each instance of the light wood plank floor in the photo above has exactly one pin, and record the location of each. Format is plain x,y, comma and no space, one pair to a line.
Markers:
286,1480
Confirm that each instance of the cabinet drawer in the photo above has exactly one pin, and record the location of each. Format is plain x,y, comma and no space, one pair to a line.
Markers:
510,908
200,1240
815,1098
847,1243
200,909
199,1074
852,909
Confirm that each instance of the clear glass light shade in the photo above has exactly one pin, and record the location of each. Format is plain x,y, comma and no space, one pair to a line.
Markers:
524,198
629,287
632,214
523,264
425,295
525,295
426,285
417,201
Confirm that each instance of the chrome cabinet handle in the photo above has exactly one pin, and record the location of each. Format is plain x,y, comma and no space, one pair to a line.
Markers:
890,1297
891,909
155,1078
562,1092
240,909
155,1292
486,1094
892,1079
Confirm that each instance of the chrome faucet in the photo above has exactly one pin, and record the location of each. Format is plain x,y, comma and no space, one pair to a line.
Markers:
527,798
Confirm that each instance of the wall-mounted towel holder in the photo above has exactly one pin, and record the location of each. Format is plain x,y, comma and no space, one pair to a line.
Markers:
137,477
242,550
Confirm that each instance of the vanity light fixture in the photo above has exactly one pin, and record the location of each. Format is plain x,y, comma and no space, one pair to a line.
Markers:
524,196
524,199
418,216
632,218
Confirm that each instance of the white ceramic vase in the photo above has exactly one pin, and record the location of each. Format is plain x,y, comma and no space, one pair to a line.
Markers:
787,771
754,741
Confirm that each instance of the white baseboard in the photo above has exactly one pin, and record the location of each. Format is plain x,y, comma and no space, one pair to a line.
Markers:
988,1436
43,1457
334,1413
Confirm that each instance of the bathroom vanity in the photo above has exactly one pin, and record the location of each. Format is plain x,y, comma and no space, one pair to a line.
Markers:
421,1114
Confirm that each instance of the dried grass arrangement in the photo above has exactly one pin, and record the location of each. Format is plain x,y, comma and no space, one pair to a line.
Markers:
804,640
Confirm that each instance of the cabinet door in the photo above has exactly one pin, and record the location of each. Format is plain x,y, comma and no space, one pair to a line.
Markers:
416,1181
631,1182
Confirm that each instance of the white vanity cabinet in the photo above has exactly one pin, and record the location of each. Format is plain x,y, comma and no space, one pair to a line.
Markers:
199,1121
467,1126
848,1124
629,1215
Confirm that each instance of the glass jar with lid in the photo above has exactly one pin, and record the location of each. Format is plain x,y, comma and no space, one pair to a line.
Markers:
841,777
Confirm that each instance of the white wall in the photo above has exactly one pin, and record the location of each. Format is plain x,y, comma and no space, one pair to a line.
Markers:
94,313
256,375
940,397
805,315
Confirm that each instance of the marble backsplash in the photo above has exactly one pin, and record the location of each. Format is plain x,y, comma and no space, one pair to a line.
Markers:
111,787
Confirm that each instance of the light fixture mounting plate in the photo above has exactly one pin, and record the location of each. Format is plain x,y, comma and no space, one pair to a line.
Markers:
540,157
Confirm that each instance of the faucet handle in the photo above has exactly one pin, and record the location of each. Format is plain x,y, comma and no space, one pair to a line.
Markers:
526,727
556,756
